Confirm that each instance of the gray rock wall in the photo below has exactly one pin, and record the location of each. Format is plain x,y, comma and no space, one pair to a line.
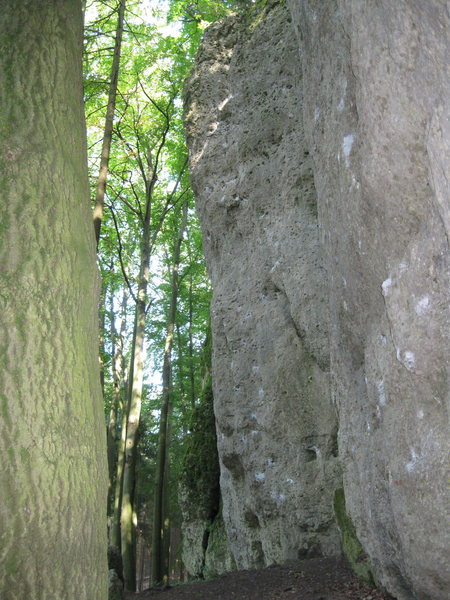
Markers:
320,160
376,108
253,179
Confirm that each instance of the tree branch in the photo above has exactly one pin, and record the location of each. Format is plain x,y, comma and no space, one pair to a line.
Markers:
122,266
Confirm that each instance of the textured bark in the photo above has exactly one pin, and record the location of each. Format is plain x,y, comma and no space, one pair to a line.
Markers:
52,441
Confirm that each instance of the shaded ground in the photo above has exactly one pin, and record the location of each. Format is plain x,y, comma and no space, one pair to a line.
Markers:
314,579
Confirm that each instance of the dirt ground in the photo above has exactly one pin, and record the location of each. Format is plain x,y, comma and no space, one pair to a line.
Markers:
314,579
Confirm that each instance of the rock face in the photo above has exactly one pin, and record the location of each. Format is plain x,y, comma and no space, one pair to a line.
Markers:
320,153
376,108
254,183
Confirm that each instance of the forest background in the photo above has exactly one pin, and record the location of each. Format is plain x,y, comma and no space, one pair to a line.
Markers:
155,292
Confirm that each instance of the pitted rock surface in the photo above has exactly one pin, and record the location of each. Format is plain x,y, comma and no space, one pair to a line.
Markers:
253,179
376,113
320,159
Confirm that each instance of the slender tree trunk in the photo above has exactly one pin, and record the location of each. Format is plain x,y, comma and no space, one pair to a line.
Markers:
159,565
141,559
52,433
109,121
115,528
181,369
129,563
167,522
117,402
180,360
118,364
116,537
112,419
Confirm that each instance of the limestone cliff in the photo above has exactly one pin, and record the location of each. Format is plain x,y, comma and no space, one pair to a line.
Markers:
319,148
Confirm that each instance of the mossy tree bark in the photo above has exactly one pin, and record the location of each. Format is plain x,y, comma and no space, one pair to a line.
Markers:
52,434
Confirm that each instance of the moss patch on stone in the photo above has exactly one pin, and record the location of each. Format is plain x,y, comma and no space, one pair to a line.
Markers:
201,471
218,558
353,550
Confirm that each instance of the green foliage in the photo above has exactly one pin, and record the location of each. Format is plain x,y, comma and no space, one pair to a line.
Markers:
148,175
205,11
200,474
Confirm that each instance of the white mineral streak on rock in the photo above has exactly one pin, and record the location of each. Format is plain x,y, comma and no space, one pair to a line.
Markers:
386,286
409,360
347,145
381,392
411,465
422,306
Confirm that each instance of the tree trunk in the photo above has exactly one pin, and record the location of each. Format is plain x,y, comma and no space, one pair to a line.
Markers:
115,528
116,537
147,241
126,521
160,571
112,419
167,521
109,121
52,433
117,401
